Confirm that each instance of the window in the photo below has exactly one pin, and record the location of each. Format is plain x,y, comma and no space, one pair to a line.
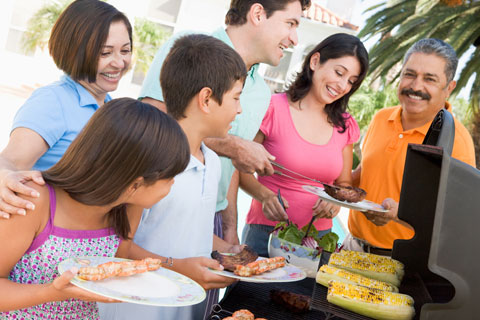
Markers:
275,77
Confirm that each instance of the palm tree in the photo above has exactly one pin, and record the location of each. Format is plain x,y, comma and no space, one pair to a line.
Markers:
405,22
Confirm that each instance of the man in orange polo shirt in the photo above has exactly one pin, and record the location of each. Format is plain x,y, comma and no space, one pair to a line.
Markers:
426,82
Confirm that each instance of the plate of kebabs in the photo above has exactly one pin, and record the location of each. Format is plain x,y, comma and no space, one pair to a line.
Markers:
135,281
248,266
348,197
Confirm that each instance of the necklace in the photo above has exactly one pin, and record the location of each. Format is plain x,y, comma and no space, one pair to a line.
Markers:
300,104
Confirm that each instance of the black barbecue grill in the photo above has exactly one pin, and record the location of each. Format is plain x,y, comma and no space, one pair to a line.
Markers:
440,198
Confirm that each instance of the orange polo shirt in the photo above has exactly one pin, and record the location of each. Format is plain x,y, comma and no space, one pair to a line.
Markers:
383,158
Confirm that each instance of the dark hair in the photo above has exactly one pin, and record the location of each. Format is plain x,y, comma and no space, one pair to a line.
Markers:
80,33
194,62
237,14
334,47
125,139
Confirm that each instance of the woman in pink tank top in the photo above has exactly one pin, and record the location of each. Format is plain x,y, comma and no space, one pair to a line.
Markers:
309,131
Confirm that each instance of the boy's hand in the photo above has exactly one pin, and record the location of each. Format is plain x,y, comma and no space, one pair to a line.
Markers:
197,269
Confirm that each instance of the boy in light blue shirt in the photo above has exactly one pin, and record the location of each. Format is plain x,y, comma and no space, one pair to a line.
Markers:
259,30
202,79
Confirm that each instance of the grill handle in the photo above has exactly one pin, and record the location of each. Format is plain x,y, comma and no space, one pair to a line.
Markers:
441,132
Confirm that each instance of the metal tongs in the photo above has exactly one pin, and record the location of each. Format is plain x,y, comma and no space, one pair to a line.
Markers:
278,165
300,175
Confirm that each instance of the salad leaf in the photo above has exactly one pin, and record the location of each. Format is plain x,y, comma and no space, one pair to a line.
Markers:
329,242
290,233
313,232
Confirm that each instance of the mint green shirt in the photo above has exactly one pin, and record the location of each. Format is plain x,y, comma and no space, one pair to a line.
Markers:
254,100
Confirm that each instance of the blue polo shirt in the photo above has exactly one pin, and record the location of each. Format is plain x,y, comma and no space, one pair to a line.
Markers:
57,112
254,100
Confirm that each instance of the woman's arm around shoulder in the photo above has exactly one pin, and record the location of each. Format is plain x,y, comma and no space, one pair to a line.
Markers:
24,148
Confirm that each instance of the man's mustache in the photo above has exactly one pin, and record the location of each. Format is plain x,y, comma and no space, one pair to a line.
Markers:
424,96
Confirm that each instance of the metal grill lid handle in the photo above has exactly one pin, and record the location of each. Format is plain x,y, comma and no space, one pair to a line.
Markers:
441,132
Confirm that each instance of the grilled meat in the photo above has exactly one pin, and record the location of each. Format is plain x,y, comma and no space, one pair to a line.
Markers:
260,266
243,314
345,193
229,262
296,303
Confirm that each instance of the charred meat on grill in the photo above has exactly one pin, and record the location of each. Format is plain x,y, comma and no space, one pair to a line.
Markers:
229,262
345,193
296,303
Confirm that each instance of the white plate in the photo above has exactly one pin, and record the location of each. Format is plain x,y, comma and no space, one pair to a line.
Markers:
289,273
161,287
363,205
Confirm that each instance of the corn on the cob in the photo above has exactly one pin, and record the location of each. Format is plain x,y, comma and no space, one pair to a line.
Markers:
327,273
385,271
377,259
377,304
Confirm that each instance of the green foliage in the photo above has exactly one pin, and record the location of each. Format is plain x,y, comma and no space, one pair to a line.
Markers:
147,38
367,101
462,111
40,25
407,21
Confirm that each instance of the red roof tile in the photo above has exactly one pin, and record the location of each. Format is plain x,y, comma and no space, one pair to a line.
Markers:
318,13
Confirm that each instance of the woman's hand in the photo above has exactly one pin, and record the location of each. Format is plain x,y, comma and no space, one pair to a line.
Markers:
324,209
272,209
65,290
197,269
12,187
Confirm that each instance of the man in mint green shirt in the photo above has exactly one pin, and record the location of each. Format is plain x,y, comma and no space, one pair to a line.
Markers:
259,31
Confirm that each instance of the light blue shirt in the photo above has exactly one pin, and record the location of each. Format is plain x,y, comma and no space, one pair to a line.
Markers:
57,112
254,100
179,226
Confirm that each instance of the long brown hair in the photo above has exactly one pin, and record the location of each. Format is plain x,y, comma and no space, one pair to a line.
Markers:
333,47
125,139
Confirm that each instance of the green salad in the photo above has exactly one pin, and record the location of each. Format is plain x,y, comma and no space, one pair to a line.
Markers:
291,232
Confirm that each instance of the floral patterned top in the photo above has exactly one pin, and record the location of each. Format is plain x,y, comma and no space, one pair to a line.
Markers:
39,265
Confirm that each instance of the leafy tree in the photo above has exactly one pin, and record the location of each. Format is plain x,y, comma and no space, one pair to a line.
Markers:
368,100
405,22
147,36
40,25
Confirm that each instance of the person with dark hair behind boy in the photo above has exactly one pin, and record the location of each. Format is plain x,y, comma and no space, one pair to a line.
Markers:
202,79
260,31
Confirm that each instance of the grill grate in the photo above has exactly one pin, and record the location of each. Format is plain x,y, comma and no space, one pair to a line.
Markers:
320,303
256,298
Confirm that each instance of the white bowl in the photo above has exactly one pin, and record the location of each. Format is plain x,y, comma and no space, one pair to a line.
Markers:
300,256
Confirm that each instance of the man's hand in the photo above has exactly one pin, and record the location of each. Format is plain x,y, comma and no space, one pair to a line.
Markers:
12,184
325,209
252,157
272,209
197,269
382,218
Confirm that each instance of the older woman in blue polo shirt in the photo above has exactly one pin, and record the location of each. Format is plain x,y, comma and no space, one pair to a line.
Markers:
92,43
